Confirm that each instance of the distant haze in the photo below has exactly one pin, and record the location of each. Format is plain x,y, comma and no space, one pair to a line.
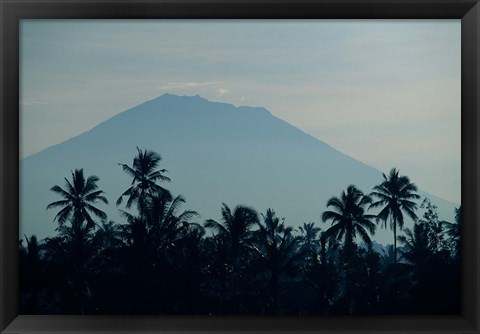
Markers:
214,153
385,92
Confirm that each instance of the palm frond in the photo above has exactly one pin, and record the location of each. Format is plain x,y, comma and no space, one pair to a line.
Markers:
331,215
336,203
57,204
97,212
63,215
366,223
364,235
91,184
96,196
61,192
187,215
214,225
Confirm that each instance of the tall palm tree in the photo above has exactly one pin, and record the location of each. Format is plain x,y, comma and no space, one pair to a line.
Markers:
232,241
417,248
78,196
144,175
166,222
109,235
277,249
396,195
309,237
161,225
349,218
154,241
235,227
73,248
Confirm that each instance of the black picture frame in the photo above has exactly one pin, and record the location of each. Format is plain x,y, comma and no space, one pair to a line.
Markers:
12,11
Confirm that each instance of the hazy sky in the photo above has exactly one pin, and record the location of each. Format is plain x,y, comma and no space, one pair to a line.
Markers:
384,92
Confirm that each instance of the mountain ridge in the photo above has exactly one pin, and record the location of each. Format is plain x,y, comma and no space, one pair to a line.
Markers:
239,154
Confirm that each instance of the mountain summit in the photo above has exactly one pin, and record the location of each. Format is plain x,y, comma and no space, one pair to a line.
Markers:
214,152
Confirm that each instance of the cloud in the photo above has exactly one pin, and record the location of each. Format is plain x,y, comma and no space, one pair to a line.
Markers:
222,91
189,85
204,87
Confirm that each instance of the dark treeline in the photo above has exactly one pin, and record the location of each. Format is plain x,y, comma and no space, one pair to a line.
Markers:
162,259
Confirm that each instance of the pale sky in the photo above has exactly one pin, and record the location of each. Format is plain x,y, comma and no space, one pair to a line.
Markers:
386,92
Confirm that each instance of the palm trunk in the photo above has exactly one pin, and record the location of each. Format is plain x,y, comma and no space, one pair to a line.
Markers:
395,239
349,246
323,252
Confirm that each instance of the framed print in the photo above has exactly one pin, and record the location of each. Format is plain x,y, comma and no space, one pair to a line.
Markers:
240,166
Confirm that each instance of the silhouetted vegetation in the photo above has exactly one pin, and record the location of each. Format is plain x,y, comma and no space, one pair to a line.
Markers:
162,259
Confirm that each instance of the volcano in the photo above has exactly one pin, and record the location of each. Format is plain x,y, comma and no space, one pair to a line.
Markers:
214,152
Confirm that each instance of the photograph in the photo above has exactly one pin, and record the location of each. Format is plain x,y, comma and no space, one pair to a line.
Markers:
240,167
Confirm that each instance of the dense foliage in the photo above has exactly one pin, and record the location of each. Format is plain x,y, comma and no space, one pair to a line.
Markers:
162,260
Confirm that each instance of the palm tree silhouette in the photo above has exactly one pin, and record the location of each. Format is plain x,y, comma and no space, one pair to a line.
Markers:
309,237
153,241
165,221
417,248
161,223
233,240
349,218
74,248
109,235
395,194
144,175
277,249
79,195
235,227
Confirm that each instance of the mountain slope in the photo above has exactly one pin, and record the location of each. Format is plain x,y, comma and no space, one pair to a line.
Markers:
214,153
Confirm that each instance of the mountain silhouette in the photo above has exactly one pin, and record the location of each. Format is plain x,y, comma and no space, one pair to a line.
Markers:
214,152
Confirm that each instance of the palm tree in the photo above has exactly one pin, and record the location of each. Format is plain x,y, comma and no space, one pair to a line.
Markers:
161,222
109,235
191,237
144,175
165,222
78,197
235,227
231,242
417,248
396,194
277,249
349,218
309,237
155,243
433,269
73,249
